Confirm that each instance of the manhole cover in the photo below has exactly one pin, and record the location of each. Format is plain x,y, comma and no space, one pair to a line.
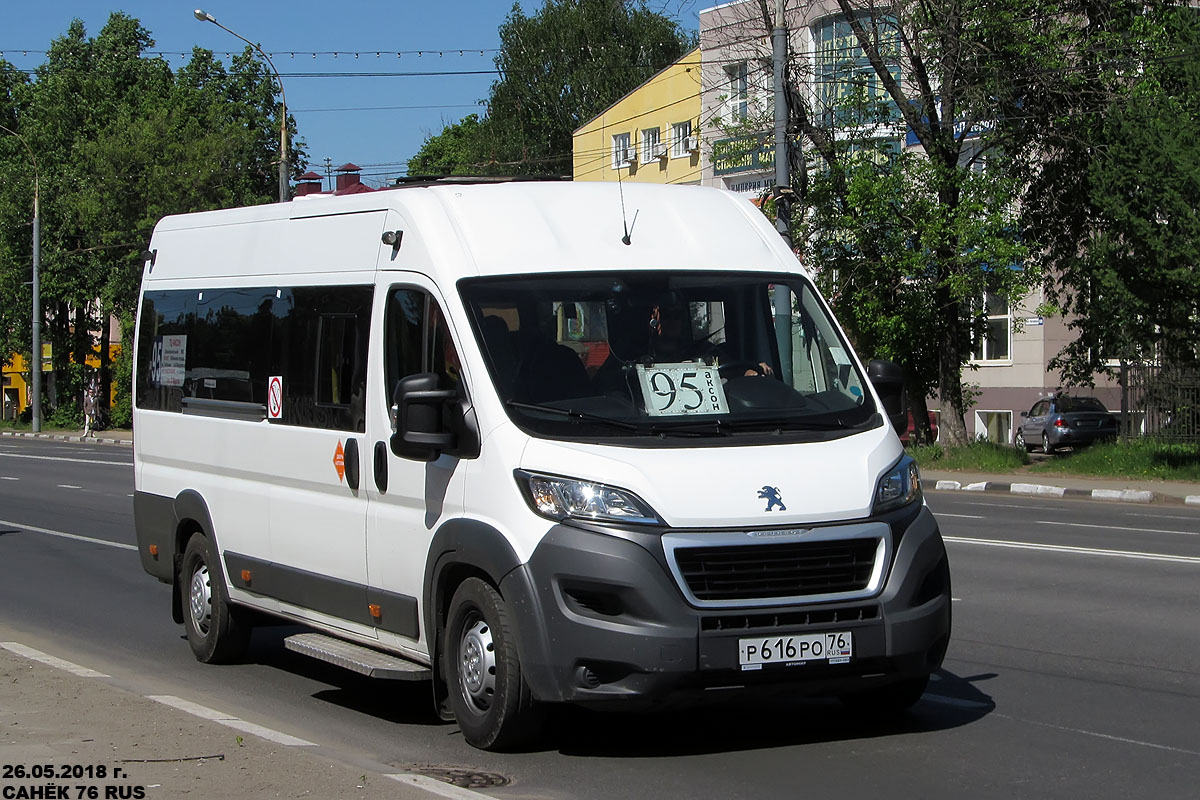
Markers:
460,776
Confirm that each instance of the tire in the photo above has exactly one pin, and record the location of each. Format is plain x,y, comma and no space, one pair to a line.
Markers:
1020,443
890,700
217,633
491,702
1047,447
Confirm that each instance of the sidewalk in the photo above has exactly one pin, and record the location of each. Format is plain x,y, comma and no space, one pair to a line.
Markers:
66,731
100,437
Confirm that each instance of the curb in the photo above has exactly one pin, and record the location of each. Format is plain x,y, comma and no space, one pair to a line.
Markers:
62,437
1118,495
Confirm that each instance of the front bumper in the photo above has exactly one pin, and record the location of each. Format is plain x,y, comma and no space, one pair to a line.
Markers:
601,621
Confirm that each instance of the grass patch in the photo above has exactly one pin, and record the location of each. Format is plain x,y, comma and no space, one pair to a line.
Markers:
1136,459
974,457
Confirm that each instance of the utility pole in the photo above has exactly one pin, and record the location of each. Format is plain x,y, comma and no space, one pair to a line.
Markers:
783,207
35,360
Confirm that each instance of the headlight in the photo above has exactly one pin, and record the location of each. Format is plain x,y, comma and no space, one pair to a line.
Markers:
559,498
899,486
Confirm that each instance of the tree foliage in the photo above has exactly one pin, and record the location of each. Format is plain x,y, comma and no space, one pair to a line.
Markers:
905,193
1114,200
558,68
120,141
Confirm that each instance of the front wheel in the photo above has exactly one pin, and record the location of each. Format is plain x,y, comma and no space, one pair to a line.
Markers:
1019,441
215,631
491,702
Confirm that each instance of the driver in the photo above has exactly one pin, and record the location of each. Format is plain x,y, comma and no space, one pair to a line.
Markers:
671,338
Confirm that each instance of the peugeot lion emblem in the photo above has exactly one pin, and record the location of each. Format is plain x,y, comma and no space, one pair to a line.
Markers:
771,495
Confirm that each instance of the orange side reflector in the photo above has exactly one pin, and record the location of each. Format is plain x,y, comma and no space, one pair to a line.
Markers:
376,611
246,575
154,550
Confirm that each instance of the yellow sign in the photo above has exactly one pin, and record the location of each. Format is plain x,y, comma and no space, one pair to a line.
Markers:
47,357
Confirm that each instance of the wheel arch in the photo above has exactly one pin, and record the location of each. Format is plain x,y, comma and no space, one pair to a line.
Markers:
191,516
461,549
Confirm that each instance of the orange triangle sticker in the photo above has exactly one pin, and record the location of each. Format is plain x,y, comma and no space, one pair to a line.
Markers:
339,462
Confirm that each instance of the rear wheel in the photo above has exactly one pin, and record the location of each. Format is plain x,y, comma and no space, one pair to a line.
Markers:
491,702
1047,445
215,630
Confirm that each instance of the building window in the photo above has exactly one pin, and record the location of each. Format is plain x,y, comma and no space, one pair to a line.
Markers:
680,133
650,140
848,90
737,92
622,150
996,342
995,426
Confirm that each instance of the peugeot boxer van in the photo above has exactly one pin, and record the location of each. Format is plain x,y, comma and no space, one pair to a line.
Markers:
532,443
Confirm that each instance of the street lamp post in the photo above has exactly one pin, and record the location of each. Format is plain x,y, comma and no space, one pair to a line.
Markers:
35,361
204,16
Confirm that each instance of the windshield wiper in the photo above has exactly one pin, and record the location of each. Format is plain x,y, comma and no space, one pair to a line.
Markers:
580,415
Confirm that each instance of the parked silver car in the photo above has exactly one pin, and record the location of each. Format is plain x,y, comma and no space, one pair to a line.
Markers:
1064,421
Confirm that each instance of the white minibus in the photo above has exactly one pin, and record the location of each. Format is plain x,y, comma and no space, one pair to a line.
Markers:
532,443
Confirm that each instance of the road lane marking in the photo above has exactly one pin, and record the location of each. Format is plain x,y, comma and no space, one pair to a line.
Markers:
72,460
1086,551
434,786
1108,736
1020,506
958,516
212,715
76,536
58,663
1114,527
1165,516
8,478
69,486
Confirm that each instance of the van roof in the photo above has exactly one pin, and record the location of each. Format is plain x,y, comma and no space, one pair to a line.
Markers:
464,230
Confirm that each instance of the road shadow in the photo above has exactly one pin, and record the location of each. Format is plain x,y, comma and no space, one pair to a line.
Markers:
402,702
735,725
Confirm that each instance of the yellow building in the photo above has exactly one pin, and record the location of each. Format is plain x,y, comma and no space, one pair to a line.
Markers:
651,135
14,379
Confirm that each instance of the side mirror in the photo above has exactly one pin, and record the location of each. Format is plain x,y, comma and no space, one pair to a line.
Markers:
888,380
419,429
1024,414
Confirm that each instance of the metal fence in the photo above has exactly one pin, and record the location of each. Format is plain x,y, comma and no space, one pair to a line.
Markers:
1160,403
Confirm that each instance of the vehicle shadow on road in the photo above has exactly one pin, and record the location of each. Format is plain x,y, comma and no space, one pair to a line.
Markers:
402,702
950,702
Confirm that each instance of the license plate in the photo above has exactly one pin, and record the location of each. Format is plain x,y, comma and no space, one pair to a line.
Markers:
788,651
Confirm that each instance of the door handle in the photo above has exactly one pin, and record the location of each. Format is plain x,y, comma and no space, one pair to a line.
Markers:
352,470
381,467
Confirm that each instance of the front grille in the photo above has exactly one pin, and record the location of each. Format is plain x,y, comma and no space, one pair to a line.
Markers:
790,619
794,569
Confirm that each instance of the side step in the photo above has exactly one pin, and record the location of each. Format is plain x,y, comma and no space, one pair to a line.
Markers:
357,658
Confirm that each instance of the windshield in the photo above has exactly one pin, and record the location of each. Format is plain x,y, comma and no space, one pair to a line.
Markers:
1071,405
665,354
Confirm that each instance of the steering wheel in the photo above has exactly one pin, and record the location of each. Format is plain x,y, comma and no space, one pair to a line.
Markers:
737,369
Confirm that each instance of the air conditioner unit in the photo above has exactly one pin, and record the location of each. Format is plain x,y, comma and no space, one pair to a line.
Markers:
631,157
660,150
691,144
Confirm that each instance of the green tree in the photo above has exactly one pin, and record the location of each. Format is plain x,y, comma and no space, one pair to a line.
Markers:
908,175
1114,202
558,68
121,141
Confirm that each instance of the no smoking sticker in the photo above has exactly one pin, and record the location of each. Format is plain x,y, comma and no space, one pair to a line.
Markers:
275,397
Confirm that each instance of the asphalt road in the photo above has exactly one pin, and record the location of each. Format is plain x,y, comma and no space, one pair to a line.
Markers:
1073,669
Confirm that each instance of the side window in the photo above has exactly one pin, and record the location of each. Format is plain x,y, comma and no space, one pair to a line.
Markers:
417,339
225,344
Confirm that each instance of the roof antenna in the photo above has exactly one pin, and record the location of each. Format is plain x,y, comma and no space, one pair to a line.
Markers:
624,221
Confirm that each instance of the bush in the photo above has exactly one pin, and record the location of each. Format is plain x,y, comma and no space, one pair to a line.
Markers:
67,415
